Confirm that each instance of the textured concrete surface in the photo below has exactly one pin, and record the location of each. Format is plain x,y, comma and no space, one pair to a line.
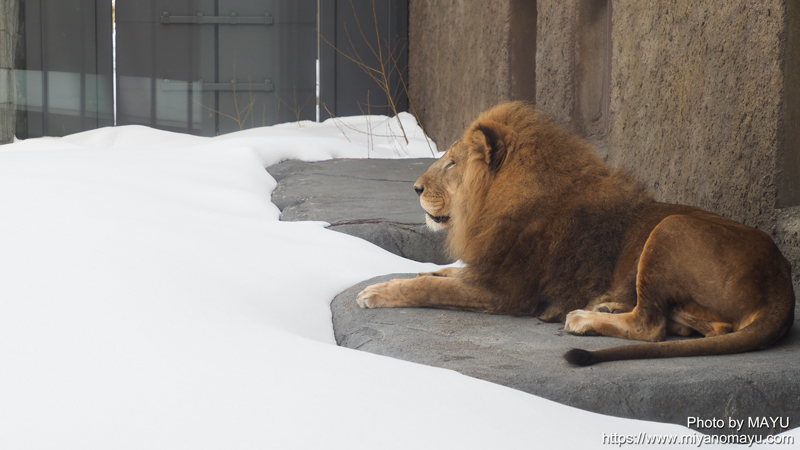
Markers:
555,59
696,102
789,149
525,354
465,57
572,65
704,108
788,239
373,199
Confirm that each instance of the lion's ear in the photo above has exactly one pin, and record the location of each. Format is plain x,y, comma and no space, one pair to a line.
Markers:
497,139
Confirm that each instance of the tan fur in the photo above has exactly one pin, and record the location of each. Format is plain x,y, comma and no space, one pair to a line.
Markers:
546,229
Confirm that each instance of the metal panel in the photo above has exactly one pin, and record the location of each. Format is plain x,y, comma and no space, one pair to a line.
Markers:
65,85
284,53
215,66
362,30
151,57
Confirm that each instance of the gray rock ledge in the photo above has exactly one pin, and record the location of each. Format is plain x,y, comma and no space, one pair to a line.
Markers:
524,353
372,199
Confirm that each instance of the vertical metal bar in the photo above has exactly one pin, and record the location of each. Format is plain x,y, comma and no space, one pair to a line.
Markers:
153,73
45,90
82,12
189,77
216,69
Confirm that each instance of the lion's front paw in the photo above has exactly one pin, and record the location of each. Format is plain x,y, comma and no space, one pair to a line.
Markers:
381,295
580,322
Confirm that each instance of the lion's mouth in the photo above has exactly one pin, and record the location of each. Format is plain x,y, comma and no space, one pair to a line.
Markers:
438,219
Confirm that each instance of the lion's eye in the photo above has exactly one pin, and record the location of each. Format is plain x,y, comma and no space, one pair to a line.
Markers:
449,165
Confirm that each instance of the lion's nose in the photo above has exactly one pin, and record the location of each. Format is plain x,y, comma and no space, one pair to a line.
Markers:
418,189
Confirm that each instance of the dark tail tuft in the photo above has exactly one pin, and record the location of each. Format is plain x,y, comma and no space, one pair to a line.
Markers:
580,357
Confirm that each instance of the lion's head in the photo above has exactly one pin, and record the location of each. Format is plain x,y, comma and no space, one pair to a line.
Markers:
461,171
437,186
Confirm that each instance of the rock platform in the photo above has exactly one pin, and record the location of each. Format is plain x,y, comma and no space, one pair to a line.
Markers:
369,198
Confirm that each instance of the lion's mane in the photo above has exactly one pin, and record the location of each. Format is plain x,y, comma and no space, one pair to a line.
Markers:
544,226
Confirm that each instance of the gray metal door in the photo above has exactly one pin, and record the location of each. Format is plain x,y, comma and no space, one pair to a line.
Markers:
64,74
214,66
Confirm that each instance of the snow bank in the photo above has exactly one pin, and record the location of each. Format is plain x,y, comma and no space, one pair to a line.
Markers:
150,298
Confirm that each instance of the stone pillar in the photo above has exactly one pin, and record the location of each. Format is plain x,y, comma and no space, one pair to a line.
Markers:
573,65
466,56
8,35
696,102
788,224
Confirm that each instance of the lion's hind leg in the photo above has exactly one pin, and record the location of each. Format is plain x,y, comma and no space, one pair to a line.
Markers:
678,329
631,325
693,318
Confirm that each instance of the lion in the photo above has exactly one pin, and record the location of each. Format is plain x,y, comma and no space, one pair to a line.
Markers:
546,229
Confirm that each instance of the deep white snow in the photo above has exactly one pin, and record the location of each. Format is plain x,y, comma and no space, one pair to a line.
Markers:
151,299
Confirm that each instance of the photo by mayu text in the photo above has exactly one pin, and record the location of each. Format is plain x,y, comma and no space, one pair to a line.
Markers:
770,425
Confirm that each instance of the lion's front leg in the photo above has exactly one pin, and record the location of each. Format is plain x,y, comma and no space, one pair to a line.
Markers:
446,272
430,291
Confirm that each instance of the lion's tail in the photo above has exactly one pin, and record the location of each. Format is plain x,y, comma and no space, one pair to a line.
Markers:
765,330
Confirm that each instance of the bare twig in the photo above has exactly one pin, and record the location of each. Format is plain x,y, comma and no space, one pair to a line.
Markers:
387,64
247,110
296,110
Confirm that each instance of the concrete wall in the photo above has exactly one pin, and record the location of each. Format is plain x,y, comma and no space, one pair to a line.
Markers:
572,65
696,102
466,56
699,99
8,34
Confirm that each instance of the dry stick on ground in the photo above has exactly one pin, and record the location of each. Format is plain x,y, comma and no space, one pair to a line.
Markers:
336,121
339,123
371,145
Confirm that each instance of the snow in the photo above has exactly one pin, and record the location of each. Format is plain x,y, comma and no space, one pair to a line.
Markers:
150,298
